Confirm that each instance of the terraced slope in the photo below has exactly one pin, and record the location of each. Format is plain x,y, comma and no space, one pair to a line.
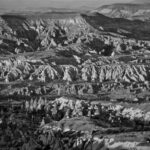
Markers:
70,81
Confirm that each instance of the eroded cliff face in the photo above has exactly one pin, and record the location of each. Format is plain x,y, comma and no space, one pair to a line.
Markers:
32,34
26,33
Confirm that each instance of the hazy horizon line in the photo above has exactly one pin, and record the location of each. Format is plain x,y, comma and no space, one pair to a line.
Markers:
68,4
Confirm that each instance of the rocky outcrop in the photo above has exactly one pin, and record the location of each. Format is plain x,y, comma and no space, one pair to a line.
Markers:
89,70
70,108
116,72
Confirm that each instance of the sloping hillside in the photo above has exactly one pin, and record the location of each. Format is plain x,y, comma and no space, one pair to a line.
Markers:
132,29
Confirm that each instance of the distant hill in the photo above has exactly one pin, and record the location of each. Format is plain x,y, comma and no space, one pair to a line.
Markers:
141,1
128,10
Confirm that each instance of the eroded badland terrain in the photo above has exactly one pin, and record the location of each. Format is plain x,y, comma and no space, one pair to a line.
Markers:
72,81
